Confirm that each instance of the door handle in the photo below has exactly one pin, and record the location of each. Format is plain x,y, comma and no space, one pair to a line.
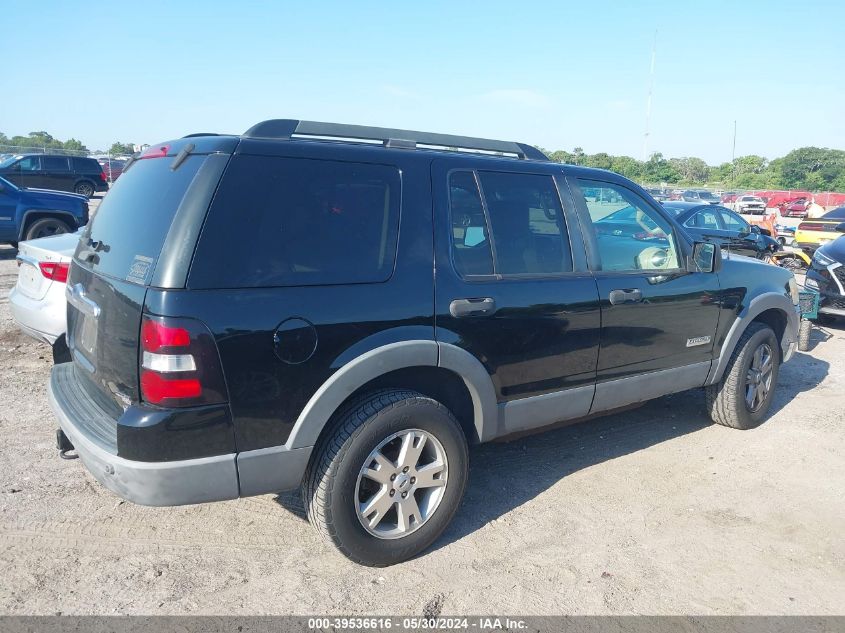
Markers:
633,295
472,307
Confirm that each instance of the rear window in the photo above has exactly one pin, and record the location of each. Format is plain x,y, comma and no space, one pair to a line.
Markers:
299,222
86,164
129,227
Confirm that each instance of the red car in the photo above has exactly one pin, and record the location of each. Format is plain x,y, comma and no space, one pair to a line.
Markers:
112,168
796,208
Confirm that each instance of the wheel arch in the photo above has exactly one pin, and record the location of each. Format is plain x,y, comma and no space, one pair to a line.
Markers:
33,215
771,308
441,371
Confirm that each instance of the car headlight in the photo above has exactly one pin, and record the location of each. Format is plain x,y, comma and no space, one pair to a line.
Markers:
793,290
821,260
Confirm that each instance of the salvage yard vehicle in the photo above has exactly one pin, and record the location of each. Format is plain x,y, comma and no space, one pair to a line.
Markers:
811,234
78,174
717,224
826,275
399,301
28,214
38,300
752,205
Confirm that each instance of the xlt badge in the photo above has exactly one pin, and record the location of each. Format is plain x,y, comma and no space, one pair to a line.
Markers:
698,340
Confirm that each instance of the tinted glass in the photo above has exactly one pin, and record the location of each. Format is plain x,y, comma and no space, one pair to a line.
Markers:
470,242
54,163
132,221
704,219
30,163
836,214
298,222
642,240
732,221
527,223
86,165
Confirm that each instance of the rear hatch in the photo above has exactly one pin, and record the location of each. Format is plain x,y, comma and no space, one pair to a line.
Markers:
143,232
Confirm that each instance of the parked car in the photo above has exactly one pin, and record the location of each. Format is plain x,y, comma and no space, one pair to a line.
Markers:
723,226
112,168
785,234
658,194
325,356
826,275
699,196
38,298
729,197
751,205
796,208
56,172
811,234
27,214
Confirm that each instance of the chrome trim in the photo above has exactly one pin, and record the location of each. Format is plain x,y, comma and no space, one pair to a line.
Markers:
76,297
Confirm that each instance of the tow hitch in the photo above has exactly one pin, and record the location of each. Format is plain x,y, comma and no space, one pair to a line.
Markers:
64,445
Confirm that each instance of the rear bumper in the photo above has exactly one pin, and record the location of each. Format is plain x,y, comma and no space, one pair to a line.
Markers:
43,319
168,483
146,483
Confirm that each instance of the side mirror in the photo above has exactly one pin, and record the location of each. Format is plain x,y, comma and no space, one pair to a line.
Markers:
706,258
840,228
755,229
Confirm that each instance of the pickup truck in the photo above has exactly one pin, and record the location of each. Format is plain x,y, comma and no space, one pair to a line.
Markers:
28,214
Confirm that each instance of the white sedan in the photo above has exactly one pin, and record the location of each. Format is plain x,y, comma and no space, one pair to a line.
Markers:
38,299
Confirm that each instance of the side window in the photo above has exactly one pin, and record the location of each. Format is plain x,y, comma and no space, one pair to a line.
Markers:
54,163
30,163
705,219
733,222
470,243
527,224
630,235
300,222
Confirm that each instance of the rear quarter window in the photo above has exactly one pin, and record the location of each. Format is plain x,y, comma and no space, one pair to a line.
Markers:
299,222
86,165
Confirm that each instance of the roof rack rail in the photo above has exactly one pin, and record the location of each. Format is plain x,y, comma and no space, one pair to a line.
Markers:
195,134
388,137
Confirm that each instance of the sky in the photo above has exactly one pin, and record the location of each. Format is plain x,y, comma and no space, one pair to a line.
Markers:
555,74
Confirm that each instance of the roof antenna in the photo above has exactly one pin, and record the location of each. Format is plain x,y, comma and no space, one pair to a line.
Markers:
648,100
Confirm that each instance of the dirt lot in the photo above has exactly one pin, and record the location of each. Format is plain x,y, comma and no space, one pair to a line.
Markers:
653,511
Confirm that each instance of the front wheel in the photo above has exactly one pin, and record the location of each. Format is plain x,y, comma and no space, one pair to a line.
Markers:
743,397
388,478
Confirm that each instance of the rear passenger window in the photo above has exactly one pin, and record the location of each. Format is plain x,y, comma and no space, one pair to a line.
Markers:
299,222
525,219
54,163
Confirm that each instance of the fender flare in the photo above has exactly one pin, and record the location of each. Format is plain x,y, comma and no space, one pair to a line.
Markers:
381,360
47,213
758,305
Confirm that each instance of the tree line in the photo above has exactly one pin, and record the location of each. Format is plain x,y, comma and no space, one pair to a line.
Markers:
810,168
46,141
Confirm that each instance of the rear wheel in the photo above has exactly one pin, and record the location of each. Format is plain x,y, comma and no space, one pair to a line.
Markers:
387,480
45,227
84,188
743,397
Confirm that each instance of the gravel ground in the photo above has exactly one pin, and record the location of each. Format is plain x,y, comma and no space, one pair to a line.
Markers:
652,511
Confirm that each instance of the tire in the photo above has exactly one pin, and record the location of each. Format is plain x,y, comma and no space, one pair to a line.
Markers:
84,188
14,245
46,227
61,352
804,335
335,491
727,400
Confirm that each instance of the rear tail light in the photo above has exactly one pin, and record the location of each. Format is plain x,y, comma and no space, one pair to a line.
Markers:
103,176
57,271
180,365
156,151
811,226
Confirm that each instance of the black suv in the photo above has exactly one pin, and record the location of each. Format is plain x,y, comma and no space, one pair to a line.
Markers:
344,309
84,176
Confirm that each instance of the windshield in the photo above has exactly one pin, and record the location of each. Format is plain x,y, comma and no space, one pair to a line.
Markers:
706,195
675,211
8,161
